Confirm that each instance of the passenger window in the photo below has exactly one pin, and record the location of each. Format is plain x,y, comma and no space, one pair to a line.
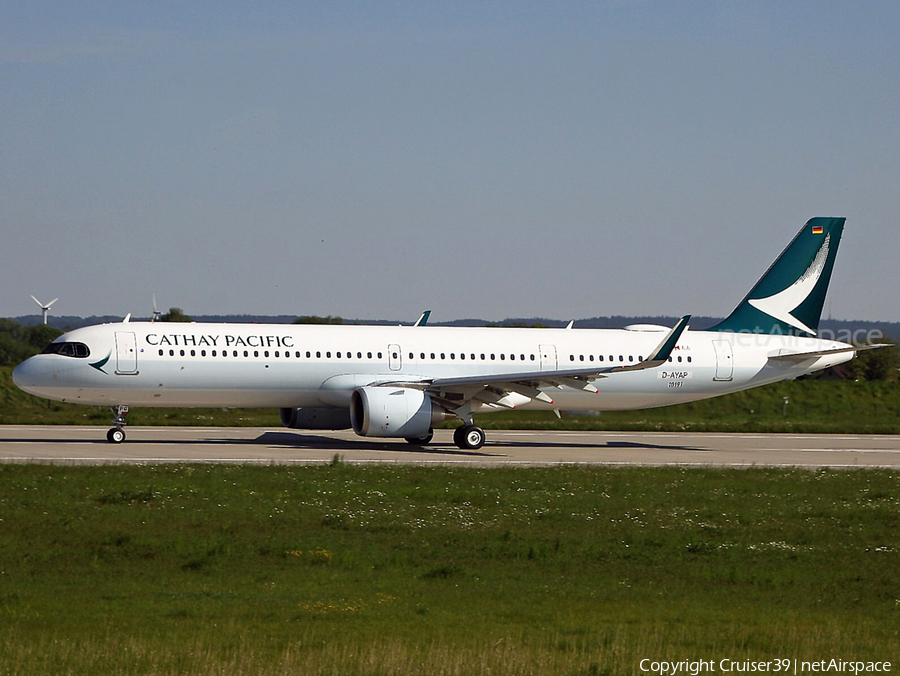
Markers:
266,354
246,353
255,353
160,353
591,357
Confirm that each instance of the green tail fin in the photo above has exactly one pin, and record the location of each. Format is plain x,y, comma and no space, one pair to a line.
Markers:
788,299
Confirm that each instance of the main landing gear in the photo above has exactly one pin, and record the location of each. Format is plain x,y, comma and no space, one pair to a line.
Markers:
117,435
468,437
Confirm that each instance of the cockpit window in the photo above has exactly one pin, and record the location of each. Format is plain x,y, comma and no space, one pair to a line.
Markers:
79,350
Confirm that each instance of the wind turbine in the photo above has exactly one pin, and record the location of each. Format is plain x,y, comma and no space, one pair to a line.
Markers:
156,313
44,308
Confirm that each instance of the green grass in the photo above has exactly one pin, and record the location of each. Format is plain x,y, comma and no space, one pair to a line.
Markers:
815,406
341,569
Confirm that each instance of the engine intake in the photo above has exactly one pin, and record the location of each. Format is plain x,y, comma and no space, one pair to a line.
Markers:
394,412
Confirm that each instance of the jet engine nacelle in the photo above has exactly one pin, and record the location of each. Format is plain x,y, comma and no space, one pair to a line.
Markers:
394,412
315,418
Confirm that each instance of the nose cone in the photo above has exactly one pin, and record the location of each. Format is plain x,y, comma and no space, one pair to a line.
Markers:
27,376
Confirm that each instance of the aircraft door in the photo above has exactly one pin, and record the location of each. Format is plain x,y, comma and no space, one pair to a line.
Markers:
395,357
548,357
724,360
126,353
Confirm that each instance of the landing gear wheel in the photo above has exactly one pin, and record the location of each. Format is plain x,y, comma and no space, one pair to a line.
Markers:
469,437
421,441
117,435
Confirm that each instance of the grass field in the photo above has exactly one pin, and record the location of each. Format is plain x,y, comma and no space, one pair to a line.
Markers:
814,406
339,569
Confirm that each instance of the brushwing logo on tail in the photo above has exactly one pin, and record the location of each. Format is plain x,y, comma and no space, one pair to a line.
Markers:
782,304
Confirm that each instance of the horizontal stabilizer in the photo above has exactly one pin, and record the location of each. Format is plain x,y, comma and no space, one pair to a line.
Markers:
803,356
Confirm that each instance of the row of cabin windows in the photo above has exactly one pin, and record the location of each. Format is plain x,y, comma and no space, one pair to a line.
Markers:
472,356
612,358
337,355
369,355
287,354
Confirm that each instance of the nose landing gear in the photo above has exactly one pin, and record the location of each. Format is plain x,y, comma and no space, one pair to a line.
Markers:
117,435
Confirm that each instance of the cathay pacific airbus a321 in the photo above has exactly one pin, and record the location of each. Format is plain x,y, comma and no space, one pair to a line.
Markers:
400,381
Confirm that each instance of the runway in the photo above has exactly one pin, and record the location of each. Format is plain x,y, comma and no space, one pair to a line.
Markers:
88,445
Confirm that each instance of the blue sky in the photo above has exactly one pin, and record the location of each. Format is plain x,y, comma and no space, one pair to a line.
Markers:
557,159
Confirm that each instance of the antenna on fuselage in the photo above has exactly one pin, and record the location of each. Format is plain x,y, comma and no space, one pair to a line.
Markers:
45,309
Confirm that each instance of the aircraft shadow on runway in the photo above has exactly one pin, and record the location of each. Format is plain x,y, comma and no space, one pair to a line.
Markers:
294,440
314,441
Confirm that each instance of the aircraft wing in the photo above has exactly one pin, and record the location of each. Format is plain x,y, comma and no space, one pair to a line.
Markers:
498,389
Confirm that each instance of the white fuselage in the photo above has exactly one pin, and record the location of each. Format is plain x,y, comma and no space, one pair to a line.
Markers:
283,366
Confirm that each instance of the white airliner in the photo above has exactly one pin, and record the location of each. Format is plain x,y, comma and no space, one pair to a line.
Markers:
400,381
